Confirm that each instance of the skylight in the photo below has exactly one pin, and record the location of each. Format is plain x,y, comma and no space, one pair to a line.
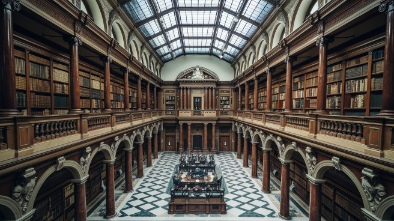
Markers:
217,27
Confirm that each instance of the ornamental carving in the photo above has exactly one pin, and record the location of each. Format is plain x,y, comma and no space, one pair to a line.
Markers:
85,158
373,189
24,187
311,159
281,144
60,163
337,163
197,73
15,4
384,5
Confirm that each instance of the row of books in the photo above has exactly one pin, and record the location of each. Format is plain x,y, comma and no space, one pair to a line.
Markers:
60,101
298,103
170,98
297,84
20,82
60,88
334,88
262,106
262,99
117,97
98,94
20,66
311,82
377,54
311,92
377,83
116,89
84,92
61,111
97,85
38,70
40,101
85,82
312,103
358,71
333,68
334,76
85,103
60,75
333,102
224,98
356,85
357,101
20,99
40,85
377,67
298,94
357,61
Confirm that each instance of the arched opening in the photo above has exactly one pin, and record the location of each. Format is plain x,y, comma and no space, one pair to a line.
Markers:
96,13
251,59
299,183
95,184
6,213
242,68
85,8
301,13
389,213
145,59
278,34
275,164
55,199
117,34
134,49
120,163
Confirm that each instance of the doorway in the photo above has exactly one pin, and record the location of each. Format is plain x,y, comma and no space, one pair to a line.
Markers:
170,143
224,143
197,142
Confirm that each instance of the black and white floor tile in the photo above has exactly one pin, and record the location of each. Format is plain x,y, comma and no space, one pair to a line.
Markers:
149,200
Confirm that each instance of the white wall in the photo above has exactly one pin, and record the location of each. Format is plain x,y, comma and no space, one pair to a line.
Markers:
171,69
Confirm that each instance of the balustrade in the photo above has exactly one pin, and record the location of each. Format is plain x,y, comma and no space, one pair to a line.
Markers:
297,123
121,119
95,123
342,129
275,119
3,138
137,116
258,117
54,129
248,116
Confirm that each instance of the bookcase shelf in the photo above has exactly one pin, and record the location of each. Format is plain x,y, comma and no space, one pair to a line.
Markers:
298,93
262,96
117,96
133,98
278,96
170,100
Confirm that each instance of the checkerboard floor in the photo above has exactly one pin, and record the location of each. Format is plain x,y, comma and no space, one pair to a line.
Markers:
149,200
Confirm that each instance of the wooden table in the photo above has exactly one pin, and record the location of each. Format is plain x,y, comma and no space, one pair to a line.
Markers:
190,205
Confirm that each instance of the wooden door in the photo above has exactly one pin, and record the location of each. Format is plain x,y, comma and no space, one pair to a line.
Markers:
224,143
170,143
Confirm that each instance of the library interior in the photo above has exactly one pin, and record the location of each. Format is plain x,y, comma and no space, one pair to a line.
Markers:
196,110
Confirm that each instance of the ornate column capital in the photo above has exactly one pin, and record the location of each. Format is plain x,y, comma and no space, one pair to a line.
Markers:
290,59
385,5
323,41
105,58
72,40
14,5
285,162
315,181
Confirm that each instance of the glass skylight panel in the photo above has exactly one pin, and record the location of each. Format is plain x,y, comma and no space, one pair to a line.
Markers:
238,41
216,52
219,44
245,28
198,3
198,17
231,50
222,34
255,10
178,52
228,57
176,44
172,34
226,19
157,41
197,50
197,31
166,57
163,5
163,50
168,20
197,42
233,5
139,9
150,28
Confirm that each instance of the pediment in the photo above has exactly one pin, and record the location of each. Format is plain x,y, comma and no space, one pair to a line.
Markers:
197,73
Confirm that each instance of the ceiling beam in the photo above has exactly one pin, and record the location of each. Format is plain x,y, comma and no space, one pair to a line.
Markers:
178,21
218,16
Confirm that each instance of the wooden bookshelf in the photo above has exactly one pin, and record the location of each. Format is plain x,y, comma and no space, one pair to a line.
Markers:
60,73
97,175
278,96
21,82
117,96
376,81
298,93
299,180
170,102
133,98
334,88
311,91
143,99
224,102
262,97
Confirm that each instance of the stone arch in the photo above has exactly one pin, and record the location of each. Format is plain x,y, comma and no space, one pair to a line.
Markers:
251,59
138,137
271,139
276,35
292,148
385,211
120,35
261,49
124,139
300,13
70,165
258,136
144,59
248,133
107,151
323,166
135,50
241,69
155,128
10,208
98,14
146,132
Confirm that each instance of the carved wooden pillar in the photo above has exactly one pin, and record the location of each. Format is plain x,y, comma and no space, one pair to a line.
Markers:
126,89
254,159
148,96
245,160
181,98
284,190
139,95
189,136
239,97
149,152
155,146
205,137
181,145
110,190
246,95
209,98
140,169
184,98
80,199
128,171
7,59
315,198
269,91
255,93
322,76
239,145
155,97
205,98
107,84
214,98
266,171
388,76
75,94
289,84
214,137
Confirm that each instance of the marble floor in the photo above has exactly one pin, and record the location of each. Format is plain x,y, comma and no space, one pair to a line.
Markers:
149,200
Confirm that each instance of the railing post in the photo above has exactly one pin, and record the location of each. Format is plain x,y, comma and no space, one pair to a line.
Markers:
264,118
282,121
84,125
313,126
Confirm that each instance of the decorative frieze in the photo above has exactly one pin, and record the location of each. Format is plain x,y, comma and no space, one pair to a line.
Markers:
311,159
373,189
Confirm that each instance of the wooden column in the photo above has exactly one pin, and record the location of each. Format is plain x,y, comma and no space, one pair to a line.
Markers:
148,96
205,98
181,98
214,137
239,145
315,198
7,59
189,97
110,190
161,143
75,94
239,97
254,159
184,102
139,95
155,146
189,136
209,98
246,95
107,84
266,171
149,152
155,97
214,98
181,145
205,137
284,190
255,94
289,85
80,199
128,171
245,159
388,76
269,91
322,76
126,89
140,164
